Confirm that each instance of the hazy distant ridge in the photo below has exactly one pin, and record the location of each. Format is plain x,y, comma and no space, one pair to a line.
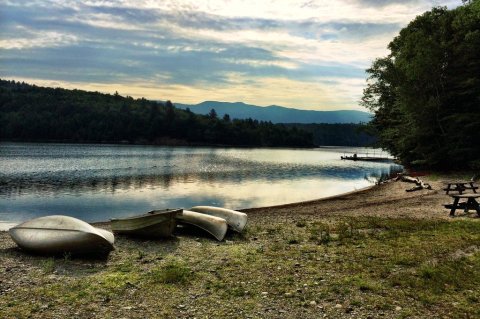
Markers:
277,114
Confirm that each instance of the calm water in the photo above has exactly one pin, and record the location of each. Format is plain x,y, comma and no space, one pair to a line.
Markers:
98,182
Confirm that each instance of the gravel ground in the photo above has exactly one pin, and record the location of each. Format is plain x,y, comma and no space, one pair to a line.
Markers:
274,270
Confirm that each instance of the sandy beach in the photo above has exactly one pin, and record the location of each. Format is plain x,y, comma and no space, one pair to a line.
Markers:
284,266
386,200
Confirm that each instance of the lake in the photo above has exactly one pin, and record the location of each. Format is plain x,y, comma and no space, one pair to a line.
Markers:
98,182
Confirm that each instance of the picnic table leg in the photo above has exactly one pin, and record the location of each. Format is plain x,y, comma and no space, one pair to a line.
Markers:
460,188
448,188
454,206
473,187
472,203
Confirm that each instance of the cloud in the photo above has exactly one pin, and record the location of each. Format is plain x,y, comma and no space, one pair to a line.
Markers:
198,50
383,3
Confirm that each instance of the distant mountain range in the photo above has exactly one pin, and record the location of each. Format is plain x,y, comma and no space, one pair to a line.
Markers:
277,114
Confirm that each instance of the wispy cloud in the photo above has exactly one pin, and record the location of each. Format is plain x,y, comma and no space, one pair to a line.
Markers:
304,54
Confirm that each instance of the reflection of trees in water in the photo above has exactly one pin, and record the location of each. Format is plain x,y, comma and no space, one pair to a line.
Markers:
78,183
108,183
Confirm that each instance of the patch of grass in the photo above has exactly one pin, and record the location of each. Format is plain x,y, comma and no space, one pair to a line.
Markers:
301,223
277,246
363,284
125,267
48,265
406,260
449,274
355,303
172,272
347,231
293,241
320,233
67,257
236,292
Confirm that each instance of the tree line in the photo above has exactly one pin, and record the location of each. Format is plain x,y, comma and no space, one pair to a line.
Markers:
426,93
32,113
338,134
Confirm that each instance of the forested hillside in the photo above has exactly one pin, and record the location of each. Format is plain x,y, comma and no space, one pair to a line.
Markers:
338,134
426,93
277,114
31,113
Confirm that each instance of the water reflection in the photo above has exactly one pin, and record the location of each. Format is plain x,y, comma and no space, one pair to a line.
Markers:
75,182
97,182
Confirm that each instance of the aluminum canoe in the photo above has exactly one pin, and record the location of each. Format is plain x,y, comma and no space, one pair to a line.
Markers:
57,234
236,220
154,224
216,226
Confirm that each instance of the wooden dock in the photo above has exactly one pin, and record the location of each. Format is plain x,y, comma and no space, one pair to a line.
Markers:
367,158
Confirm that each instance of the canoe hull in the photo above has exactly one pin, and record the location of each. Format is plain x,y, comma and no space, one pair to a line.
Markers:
235,220
155,224
61,234
216,226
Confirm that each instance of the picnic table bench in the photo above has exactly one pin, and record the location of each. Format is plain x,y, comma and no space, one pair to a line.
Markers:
470,203
460,187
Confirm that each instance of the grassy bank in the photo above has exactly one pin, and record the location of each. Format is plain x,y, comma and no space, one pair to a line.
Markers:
331,267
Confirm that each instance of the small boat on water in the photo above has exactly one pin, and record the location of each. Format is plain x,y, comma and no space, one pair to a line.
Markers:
154,224
216,226
236,220
57,234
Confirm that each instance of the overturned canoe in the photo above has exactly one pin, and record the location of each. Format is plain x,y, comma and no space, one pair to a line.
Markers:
236,220
154,224
216,226
59,234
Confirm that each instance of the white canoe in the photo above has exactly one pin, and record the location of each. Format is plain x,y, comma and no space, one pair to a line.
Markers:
216,226
59,234
236,220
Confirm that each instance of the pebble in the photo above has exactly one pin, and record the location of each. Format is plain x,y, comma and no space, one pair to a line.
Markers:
313,303
288,294
264,293
338,306
398,308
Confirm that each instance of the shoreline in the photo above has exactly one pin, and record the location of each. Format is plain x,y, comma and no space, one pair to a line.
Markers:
360,202
5,225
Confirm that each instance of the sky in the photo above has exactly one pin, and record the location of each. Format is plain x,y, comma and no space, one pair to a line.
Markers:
294,53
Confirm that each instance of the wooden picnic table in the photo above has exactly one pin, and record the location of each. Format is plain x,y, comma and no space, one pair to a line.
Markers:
470,203
460,187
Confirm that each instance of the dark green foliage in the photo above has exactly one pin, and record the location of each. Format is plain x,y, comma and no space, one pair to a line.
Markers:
426,92
32,113
338,134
